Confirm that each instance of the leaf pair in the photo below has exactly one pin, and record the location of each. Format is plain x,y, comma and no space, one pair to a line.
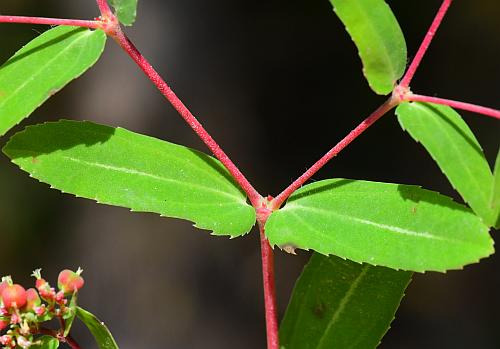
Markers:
398,226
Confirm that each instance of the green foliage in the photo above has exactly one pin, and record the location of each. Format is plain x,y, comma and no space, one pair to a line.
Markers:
397,226
46,342
43,67
126,10
495,192
119,167
341,304
71,314
101,333
379,39
451,143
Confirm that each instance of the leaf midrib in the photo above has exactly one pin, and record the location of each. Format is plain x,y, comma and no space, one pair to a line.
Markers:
132,171
385,48
343,303
227,184
396,230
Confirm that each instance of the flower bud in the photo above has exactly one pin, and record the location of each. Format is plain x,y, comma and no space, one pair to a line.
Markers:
4,324
32,299
6,340
14,296
15,318
23,342
40,311
3,285
69,281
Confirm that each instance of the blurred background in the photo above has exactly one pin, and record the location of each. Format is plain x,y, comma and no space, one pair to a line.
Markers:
277,83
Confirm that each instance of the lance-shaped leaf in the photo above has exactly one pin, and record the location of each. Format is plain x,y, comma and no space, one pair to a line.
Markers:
69,316
341,304
101,333
119,167
126,10
43,67
379,39
495,192
451,143
397,226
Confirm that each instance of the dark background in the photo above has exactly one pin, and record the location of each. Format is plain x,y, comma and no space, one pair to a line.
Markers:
277,83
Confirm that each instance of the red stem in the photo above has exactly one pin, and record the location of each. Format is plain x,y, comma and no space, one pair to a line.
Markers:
72,343
370,120
269,291
56,334
140,60
104,8
405,82
455,104
50,21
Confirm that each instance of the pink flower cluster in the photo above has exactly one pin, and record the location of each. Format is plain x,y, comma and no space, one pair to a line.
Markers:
22,311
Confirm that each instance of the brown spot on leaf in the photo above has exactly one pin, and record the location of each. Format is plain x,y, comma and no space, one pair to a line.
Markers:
34,160
319,310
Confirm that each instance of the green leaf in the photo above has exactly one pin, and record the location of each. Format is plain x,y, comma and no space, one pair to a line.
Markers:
379,39
43,67
397,226
453,146
46,342
341,304
495,198
69,317
101,334
122,168
126,10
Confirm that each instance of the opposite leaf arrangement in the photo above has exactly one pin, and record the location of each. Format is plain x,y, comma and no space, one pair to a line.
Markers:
383,232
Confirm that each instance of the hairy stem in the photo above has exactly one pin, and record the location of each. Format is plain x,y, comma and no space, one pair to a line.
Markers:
363,126
104,8
50,21
133,52
269,291
455,104
405,82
